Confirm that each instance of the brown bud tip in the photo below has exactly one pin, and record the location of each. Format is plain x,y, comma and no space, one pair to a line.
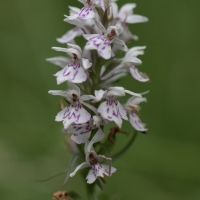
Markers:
61,195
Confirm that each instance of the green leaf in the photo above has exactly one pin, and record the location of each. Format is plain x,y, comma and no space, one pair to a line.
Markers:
71,164
98,183
51,177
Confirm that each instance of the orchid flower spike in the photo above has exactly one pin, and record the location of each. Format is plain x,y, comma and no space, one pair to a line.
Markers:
75,71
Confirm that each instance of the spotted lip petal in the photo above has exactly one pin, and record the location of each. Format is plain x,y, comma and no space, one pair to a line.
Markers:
73,114
86,13
73,73
100,43
98,170
136,122
113,111
138,75
81,132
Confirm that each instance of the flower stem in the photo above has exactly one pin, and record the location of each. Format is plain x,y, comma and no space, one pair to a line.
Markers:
92,195
117,155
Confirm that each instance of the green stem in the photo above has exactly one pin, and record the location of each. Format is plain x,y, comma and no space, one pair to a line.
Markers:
92,195
114,157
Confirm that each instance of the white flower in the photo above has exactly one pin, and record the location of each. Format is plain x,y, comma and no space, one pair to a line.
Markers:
102,42
125,14
87,12
132,108
131,59
74,112
128,65
74,71
81,132
93,161
112,110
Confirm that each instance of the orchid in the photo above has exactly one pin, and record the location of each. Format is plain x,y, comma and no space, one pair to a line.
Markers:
93,161
75,70
102,42
74,112
133,110
87,12
93,72
112,110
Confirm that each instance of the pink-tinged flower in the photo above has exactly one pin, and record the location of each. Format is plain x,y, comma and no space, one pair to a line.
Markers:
87,12
111,109
133,109
93,161
102,42
75,71
74,112
81,132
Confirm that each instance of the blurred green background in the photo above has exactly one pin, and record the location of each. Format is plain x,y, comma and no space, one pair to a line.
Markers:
163,165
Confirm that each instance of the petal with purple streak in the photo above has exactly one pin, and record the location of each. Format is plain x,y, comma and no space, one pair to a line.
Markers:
136,122
81,132
73,114
86,13
138,75
112,111
100,43
73,73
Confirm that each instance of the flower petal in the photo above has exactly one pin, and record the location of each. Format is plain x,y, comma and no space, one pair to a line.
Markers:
133,93
58,92
81,166
86,13
136,122
73,114
105,169
99,135
73,73
138,75
72,17
92,175
59,61
110,110
135,101
100,43
126,10
70,35
132,19
81,132
86,63
119,44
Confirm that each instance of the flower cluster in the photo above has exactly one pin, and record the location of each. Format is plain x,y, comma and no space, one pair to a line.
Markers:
93,99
